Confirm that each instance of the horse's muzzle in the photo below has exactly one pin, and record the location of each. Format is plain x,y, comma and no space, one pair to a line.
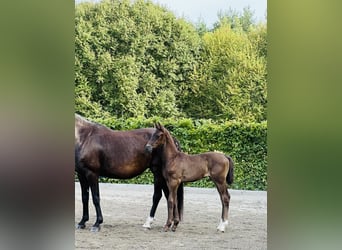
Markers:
148,148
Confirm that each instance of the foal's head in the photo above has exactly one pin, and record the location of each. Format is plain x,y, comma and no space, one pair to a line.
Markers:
157,139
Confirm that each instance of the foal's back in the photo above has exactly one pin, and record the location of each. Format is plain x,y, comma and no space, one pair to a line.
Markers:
197,166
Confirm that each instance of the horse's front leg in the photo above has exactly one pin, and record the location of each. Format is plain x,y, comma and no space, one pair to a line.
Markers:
85,200
94,185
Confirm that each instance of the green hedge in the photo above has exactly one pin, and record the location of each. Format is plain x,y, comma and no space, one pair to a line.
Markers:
245,143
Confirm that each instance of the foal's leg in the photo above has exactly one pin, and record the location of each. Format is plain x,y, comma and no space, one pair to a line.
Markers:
225,198
94,185
172,185
85,200
175,212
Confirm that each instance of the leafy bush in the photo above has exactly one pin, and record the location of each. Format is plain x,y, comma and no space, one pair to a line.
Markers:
132,58
136,58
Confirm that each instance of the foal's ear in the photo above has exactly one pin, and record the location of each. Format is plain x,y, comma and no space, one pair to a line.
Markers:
159,126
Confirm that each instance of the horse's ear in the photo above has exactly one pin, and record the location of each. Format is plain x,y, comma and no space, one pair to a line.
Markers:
157,125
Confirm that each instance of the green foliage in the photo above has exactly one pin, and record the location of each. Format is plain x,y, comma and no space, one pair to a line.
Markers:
136,59
244,142
235,19
232,79
258,37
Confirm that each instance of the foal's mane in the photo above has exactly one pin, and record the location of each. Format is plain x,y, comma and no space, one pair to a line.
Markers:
168,135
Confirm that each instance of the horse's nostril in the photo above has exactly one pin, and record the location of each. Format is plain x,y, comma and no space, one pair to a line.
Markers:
148,148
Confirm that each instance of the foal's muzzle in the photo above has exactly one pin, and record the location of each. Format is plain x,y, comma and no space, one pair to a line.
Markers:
148,148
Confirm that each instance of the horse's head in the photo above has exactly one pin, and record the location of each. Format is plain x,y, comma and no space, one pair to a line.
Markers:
157,139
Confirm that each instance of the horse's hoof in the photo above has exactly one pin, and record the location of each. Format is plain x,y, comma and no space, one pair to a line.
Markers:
95,229
80,226
173,229
148,223
222,226
166,228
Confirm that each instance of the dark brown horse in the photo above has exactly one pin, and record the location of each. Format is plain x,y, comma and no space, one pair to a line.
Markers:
100,151
179,167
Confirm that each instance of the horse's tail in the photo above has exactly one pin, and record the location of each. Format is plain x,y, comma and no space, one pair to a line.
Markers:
180,200
230,175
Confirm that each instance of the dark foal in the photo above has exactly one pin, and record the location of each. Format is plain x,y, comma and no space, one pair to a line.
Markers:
100,151
179,167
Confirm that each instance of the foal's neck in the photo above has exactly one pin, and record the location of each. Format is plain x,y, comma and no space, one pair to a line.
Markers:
170,149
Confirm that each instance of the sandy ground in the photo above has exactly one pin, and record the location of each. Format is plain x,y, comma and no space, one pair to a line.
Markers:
125,208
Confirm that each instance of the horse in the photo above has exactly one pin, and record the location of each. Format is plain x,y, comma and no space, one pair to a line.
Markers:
179,167
100,151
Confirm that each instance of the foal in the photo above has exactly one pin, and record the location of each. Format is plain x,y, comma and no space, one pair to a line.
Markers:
179,167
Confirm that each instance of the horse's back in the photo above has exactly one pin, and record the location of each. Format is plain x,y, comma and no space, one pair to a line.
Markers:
116,154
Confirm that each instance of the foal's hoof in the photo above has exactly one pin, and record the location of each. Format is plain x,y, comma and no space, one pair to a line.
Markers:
173,228
166,228
95,229
80,226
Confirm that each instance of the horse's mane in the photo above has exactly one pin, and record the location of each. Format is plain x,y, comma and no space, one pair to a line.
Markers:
80,121
177,143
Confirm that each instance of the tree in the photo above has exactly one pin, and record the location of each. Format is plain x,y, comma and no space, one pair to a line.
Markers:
236,20
232,78
136,59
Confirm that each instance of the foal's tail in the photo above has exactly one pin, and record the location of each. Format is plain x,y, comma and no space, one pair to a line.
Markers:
230,175
180,200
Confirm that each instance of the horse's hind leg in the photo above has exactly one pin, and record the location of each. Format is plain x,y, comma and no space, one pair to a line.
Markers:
155,201
85,200
225,198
